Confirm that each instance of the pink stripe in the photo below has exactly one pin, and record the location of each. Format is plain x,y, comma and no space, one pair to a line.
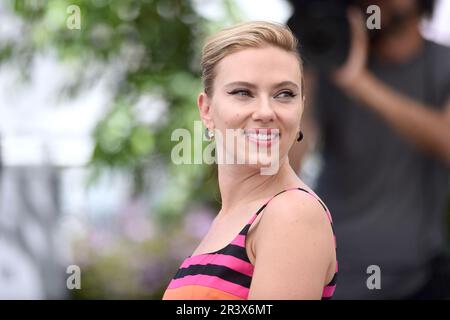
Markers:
211,282
328,291
222,260
239,241
252,219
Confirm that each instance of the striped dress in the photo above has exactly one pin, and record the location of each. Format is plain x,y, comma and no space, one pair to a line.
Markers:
226,274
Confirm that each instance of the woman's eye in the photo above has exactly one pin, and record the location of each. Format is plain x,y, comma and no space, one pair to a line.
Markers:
240,92
286,94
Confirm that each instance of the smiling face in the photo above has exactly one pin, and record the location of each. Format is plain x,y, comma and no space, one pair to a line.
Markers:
255,90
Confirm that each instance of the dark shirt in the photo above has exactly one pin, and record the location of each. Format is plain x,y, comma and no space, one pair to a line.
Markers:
387,197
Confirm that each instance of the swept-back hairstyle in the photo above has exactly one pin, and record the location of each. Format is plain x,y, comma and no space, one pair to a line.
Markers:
253,34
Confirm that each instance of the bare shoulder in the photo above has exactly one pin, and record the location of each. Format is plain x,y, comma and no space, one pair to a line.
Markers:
294,243
297,207
292,218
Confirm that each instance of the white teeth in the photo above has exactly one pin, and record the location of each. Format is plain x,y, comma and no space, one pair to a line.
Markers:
261,136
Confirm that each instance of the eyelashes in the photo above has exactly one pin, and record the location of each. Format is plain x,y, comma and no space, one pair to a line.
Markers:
289,94
247,93
241,93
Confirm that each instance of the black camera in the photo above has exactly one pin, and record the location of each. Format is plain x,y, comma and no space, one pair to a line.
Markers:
323,31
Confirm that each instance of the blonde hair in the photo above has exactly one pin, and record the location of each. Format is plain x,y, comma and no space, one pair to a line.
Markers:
253,34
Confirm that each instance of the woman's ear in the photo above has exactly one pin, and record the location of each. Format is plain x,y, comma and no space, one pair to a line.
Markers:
204,107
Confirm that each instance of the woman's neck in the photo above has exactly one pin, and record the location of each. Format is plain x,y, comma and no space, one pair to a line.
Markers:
240,184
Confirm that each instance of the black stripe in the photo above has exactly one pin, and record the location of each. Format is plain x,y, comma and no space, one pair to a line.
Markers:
333,281
326,298
247,226
245,229
222,272
235,251
332,228
261,209
279,193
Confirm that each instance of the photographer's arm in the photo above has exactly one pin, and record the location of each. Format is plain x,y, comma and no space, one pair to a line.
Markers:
424,126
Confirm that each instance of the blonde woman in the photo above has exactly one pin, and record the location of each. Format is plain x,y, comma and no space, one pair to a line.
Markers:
273,237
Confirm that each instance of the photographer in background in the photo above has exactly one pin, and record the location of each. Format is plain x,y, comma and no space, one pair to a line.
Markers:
382,121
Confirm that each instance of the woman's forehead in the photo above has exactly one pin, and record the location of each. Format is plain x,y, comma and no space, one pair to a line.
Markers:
258,64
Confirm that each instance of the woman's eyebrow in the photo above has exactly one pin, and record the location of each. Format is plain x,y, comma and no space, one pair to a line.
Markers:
241,83
251,85
286,83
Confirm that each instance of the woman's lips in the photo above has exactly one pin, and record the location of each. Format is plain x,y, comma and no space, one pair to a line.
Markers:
262,137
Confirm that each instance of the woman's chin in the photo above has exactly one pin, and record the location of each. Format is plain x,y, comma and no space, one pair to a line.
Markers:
261,161
253,159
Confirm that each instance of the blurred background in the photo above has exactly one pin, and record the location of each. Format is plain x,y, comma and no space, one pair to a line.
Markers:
86,116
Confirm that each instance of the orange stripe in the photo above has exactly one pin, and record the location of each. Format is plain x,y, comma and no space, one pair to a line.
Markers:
196,292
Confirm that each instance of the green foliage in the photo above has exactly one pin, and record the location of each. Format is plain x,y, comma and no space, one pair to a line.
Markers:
153,47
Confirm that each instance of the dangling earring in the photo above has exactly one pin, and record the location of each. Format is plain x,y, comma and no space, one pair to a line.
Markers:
209,134
300,136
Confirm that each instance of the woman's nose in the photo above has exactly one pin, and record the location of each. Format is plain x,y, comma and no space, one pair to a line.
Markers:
264,111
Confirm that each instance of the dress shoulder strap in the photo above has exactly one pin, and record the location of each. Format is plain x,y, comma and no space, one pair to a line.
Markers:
295,188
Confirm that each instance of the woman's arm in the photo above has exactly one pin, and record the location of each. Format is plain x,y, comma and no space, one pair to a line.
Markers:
294,249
